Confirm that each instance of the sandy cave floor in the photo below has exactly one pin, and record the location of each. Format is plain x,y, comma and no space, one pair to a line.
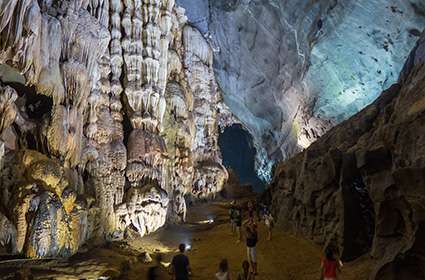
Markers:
286,257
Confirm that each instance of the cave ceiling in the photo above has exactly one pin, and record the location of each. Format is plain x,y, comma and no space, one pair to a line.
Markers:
290,70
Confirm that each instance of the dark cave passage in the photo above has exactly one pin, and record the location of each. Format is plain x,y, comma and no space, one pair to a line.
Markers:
359,220
38,109
238,154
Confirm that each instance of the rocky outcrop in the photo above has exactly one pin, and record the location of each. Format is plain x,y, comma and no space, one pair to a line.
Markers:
360,186
115,127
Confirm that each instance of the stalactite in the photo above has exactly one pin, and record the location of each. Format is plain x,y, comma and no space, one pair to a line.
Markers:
113,121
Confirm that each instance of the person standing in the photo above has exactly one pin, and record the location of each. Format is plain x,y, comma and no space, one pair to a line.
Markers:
154,272
269,222
330,265
245,274
238,222
232,212
180,265
251,211
223,271
251,245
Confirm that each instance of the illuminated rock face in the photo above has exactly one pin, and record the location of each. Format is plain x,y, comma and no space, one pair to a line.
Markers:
290,70
117,124
360,186
115,127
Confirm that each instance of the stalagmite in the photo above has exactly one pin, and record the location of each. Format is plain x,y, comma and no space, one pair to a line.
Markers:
99,157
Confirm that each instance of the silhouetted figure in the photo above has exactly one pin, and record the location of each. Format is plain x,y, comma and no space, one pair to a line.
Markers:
235,213
245,274
251,211
251,245
180,265
154,272
269,222
232,211
261,211
330,265
223,271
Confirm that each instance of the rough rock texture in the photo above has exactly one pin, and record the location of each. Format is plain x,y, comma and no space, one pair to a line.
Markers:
290,70
97,121
361,185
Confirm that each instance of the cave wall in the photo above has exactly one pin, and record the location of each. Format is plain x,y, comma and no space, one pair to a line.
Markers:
108,122
372,164
291,70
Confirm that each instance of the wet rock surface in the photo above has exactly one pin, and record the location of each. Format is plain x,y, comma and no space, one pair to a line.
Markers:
360,186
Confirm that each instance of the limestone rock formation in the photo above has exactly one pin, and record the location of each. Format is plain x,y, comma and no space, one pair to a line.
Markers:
100,124
291,70
360,186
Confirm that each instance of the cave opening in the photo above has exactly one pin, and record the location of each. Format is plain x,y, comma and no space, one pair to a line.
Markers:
37,105
359,219
35,110
238,151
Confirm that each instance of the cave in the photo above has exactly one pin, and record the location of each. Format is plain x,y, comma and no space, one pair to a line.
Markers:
359,220
239,154
132,130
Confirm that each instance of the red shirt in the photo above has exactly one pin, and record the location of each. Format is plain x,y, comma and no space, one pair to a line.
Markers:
329,268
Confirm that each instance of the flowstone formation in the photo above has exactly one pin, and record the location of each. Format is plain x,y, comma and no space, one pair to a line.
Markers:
360,187
108,121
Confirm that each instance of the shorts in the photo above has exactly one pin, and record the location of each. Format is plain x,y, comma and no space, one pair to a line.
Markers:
238,223
252,254
269,225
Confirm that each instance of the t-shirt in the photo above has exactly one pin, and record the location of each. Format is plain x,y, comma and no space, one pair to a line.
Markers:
237,215
269,221
251,212
232,213
251,239
329,268
180,263
243,276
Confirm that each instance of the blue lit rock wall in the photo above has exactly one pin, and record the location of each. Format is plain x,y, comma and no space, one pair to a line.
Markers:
362,56
290,70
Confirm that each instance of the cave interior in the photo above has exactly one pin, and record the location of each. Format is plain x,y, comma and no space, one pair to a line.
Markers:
129,127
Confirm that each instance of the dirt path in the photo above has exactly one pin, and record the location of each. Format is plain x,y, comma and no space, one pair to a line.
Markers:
286,257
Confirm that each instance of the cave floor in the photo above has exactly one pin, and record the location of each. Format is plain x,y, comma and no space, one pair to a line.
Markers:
286,257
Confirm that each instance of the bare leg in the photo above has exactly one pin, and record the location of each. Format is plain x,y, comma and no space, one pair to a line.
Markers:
254,268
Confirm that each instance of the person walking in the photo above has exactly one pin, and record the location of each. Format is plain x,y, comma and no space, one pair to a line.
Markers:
154,272
251,245
238,222
269,222
245,274
251,211
180,268
232,213
223,271
330,265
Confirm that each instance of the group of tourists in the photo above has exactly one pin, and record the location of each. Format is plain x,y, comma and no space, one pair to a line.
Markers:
263,213
224,274
249,266
180,268
330,264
